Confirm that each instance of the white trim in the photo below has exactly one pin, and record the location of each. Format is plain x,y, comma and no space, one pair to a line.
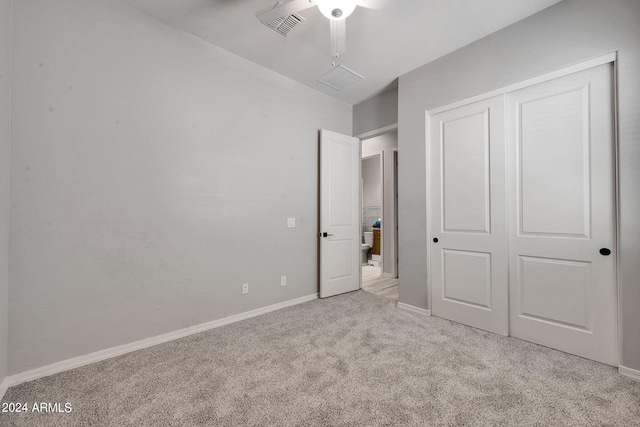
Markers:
427,163
618,220
590,63
380,230
360,206
414,309
108,353
394,208
377,132
4,385
634,374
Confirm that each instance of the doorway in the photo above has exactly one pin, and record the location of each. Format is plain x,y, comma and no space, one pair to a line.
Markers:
379,215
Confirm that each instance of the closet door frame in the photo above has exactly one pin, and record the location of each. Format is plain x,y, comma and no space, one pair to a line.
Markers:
594,62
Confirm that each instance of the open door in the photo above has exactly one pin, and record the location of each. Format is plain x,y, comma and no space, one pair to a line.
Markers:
340,229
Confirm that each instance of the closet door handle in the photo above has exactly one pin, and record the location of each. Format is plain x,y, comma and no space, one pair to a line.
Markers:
605,251
435,240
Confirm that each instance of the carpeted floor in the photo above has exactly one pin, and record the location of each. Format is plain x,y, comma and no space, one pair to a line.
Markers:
350,360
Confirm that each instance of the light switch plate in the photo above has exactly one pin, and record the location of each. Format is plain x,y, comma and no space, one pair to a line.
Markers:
291,222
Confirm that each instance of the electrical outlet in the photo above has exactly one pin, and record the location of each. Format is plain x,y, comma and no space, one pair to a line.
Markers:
291,222
245,288
283,280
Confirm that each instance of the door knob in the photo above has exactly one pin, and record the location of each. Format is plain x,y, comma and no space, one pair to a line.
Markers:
605,251
325,234
435,240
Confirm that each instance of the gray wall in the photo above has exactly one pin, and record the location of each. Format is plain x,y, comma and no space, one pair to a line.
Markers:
376,113
5,134
385,145
569,32
152,175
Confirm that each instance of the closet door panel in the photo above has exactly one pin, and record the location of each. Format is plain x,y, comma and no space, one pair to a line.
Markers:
468,261
554,165
561,210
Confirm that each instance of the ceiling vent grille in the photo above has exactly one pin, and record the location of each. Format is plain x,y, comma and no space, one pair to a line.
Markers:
340,77
284,24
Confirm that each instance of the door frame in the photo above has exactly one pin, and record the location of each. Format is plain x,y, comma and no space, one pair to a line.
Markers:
362,206
372,134
394,162
607,58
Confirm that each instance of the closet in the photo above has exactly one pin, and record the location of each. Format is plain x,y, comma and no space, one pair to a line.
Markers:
522,214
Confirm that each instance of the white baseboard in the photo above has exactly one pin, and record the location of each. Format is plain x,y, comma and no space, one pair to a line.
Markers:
4,385
108,353
414,309
628,372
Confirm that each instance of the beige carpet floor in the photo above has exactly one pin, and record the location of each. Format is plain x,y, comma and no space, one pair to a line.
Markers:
350,360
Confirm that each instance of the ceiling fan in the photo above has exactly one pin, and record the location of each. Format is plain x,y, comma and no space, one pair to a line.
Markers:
283,17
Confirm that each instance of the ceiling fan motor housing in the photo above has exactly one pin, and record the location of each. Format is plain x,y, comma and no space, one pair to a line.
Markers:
336,9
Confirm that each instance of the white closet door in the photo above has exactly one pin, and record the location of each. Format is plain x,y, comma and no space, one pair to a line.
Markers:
561,210
468,224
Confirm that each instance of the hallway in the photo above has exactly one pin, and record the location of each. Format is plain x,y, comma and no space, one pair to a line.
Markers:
374,282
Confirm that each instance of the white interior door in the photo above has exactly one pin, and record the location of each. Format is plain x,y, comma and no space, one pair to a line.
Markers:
561,202
340,229
468,258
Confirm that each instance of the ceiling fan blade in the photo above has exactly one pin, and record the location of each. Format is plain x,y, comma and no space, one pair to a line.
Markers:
372,4
338,37
281,10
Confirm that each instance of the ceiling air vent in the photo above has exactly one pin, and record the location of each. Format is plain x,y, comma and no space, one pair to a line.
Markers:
284,24
340,77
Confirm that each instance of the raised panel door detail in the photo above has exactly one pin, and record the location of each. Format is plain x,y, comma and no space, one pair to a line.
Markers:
557,291
554,163
467,277
341,191
465,174
341,263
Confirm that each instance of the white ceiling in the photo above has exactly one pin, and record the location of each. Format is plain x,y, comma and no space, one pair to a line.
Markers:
382,44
